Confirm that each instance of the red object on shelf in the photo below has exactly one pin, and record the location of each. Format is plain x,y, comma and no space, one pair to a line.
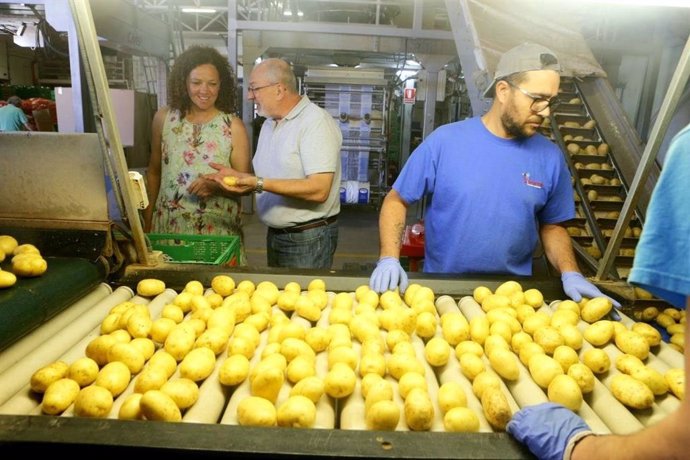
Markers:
413,244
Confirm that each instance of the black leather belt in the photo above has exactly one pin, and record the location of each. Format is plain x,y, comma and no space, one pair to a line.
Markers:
306,225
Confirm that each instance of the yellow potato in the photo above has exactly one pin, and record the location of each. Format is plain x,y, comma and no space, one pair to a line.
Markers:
150,287
43,377
468,346
97,349
479,329
215,339
131,408
83,371
114,377
508,288
59,396
518,340
597,360
595,309
505,364
145,346
572,336
409,381
234,370
161,327
157,405
549,338
296,412
632,343
184,392
256,411
164,360
437,351
383,415
299,368
631,392
528,350
419,410
198,364
583,376
340,380
8,244
496,408
400,363
223,284
451,395
650,334
93,401
626,363
461,419
372,363
534,298
455,328
311,387
485,380
29,265
652,378
7,279
544,369
179,342
268,381
676,381
471,365
150,379
565,356
127,354
495,301
139,325
564,390
599,333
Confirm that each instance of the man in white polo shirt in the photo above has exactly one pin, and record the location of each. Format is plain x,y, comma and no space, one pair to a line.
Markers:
297,167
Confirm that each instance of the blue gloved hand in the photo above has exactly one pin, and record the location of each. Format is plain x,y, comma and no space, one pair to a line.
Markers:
387,275
549,430
576,287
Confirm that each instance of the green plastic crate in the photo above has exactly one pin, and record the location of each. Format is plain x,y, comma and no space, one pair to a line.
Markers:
197,249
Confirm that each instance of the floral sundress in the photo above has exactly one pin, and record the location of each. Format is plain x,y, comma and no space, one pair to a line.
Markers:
186,151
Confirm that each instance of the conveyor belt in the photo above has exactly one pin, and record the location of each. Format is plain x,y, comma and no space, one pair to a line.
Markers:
32,301
210,430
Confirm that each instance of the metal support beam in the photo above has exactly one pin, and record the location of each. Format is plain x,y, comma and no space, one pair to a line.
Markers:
656,137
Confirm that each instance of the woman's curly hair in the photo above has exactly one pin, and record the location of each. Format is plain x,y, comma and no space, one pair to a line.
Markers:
191,58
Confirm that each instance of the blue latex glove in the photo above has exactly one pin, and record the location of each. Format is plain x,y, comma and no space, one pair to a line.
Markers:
387,275
549,430
576,287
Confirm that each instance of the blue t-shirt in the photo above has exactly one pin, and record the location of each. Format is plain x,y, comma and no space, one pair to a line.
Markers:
488,196
662,256
12,118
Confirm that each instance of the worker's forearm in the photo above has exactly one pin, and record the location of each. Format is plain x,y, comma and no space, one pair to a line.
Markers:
391,227
558,248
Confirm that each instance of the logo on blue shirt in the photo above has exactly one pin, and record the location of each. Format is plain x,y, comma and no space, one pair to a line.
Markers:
530,182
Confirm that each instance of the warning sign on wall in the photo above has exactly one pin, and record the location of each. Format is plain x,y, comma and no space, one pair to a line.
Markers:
409,95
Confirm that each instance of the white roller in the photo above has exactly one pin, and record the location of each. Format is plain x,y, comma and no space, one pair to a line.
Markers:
432,383
51,349
212,397
22,347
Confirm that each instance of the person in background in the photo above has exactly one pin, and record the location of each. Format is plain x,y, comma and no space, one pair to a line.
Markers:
495,186
12,117
298,171
197,128
661,266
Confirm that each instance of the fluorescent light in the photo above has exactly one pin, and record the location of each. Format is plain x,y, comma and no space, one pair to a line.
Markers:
198,10
662,3
287,13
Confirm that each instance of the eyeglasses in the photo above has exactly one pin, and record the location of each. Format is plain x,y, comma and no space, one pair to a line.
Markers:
258,88
539,104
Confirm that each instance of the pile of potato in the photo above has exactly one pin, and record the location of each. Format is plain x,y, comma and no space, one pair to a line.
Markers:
671,319
26,261
294,357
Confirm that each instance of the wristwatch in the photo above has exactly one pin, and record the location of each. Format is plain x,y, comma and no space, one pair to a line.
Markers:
259,184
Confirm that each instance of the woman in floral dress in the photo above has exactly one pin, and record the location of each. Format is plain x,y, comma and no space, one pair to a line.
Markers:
197,127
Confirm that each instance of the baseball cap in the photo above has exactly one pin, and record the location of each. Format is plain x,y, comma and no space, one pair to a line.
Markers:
524,58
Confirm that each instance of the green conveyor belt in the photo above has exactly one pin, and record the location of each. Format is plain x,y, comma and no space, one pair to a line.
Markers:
33,301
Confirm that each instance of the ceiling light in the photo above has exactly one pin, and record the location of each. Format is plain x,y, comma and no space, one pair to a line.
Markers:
198,10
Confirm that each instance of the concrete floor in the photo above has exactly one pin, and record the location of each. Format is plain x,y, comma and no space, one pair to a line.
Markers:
358,239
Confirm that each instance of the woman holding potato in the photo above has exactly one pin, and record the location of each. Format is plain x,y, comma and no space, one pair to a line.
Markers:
198,127
661,267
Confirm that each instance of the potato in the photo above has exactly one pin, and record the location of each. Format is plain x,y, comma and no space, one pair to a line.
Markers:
626,363
114,377
471,365
311,387
8,244
455,328
198,364
164,360
468,346
127,354
157,405
372,362
496,408
59,396
269,380
179,342
234,370
97,349
340,354
296,412
505,364
652,378
43,377
485,380
7,279
184,392
528,350
150,287
299,368
256,411
145,346
150,379
399,363
650,334
437,351
518,340
544,369
419,410
583,376
534,298
29,265
383,415
340,381
409,381
632,343
676,382
599,333
549,338
479,329
631,392
451,395
597,360
564,390
595,309
93,401
131,408
83,371
461,419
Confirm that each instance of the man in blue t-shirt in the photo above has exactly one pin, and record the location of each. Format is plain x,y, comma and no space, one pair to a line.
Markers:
12,117
495,186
